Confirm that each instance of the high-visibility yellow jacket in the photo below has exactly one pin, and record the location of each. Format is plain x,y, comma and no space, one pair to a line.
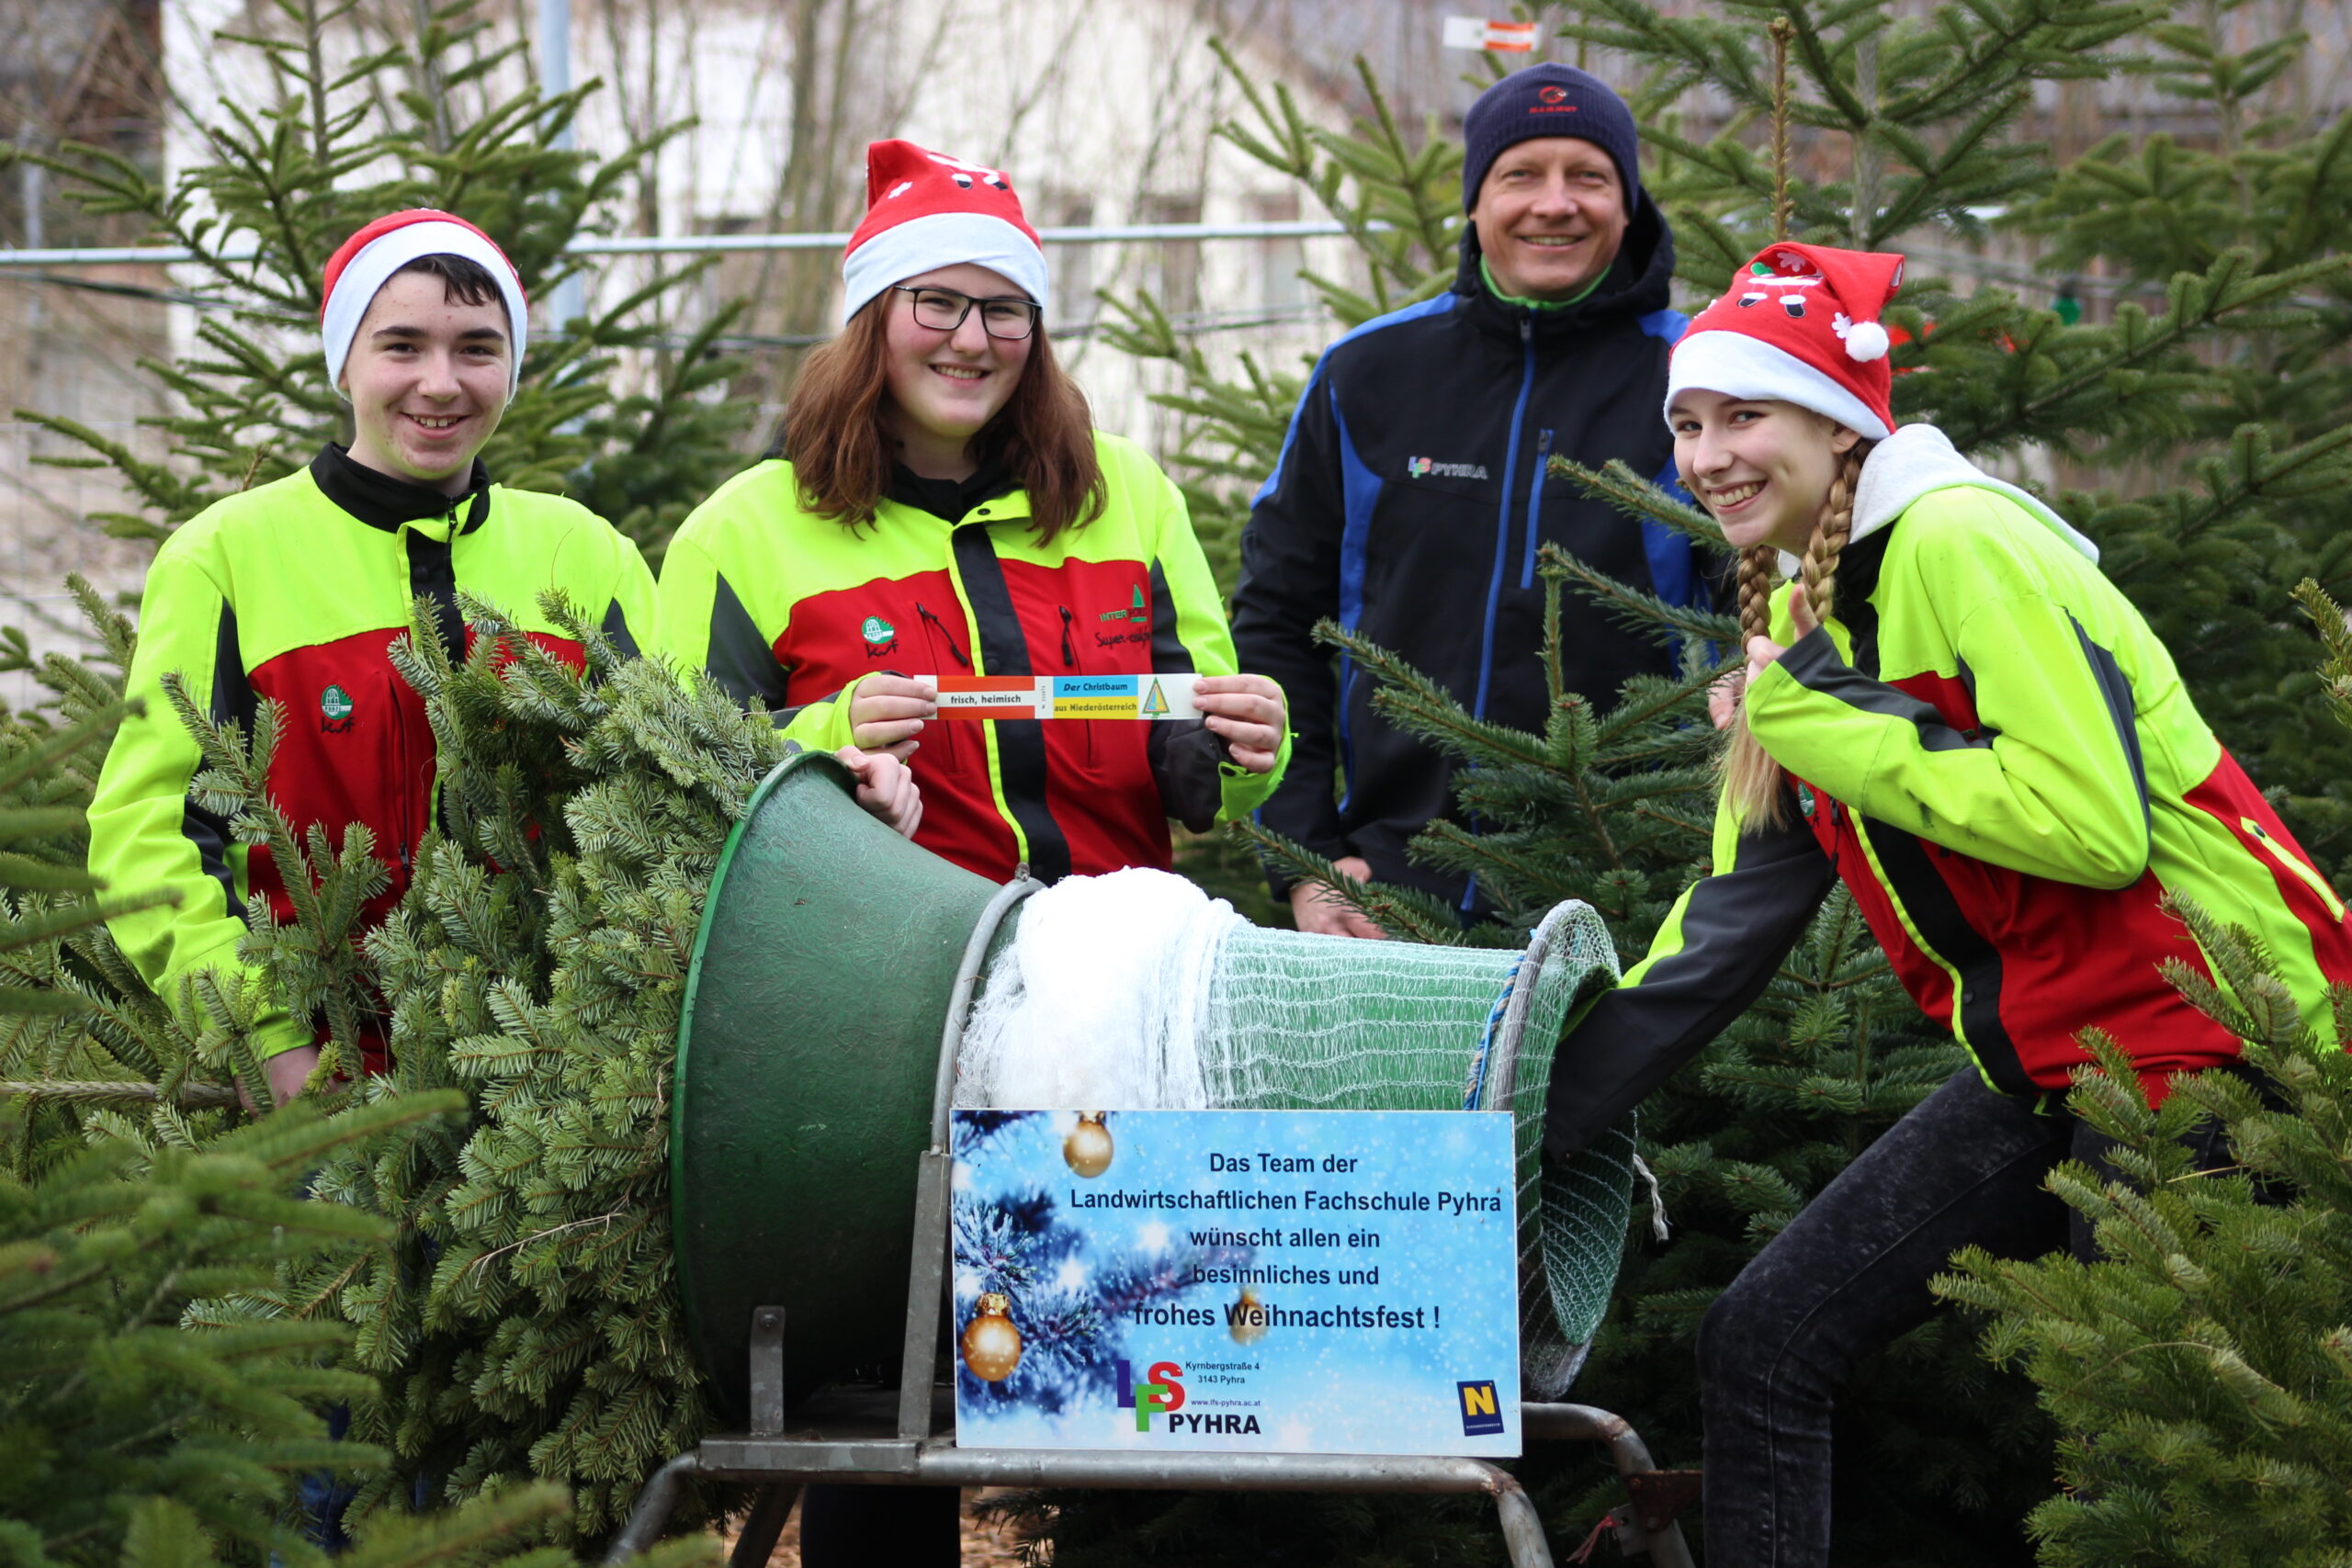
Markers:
293,592
1994,752
793,609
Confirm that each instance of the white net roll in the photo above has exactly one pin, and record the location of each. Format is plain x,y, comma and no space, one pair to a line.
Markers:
1099,999
1138,992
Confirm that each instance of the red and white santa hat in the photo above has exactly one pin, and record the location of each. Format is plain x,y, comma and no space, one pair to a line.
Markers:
365,261
1800,324
926,210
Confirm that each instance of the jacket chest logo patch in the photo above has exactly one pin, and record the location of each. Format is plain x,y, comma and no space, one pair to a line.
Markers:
334,710
880,635
1430,467
1129,623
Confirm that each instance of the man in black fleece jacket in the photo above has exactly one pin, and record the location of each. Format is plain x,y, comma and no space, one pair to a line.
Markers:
1412,491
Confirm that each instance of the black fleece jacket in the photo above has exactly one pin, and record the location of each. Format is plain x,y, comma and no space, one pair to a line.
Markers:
1408,503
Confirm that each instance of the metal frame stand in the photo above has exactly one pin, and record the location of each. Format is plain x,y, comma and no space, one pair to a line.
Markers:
859,1437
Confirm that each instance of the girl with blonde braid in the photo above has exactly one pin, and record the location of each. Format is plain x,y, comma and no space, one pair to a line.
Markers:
1949,709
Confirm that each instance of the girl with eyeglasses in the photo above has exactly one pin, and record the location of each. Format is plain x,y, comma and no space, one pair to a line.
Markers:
937,502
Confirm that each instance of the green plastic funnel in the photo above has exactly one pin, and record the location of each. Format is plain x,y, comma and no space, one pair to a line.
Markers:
807,1059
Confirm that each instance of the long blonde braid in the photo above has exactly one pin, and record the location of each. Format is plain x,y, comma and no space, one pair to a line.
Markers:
1830,532
1751,778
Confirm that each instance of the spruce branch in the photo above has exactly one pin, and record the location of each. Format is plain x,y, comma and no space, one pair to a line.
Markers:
314,965
2327,618
1637,497
2100,370
1644,611
1400,911
1414,702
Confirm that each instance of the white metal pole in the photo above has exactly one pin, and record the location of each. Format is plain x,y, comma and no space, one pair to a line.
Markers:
30,195
555,79
703,244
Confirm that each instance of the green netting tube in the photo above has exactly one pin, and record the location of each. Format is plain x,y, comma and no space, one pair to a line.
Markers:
1315,1022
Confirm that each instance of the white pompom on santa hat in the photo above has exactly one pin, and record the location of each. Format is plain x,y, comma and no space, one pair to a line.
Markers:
362,264
1801,323
925,210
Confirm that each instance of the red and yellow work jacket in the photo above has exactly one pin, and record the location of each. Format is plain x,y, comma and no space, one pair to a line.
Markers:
1994,752
293,593
790,610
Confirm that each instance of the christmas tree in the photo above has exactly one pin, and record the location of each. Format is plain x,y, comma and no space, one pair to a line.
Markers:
146,1422
501,1303
2201,1371
526,1319
517,1317
433,118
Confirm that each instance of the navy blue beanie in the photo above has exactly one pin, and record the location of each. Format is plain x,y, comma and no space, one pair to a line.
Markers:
1548,100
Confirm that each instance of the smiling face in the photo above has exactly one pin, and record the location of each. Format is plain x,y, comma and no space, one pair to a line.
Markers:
1761,467
1550,216
944,385
427,377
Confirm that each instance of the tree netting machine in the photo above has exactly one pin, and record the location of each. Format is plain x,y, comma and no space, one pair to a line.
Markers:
832,980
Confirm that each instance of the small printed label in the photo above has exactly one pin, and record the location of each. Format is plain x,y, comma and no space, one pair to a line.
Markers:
1498,38
1066,696
1482,1415
1430,467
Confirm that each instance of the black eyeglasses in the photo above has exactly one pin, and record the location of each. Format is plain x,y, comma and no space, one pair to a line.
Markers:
944,310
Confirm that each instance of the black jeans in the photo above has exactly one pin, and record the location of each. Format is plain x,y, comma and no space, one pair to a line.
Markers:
1849,1275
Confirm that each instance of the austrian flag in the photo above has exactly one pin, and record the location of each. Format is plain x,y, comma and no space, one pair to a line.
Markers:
1501,38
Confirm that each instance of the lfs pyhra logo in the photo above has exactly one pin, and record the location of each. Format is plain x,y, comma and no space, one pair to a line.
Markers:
1161,1392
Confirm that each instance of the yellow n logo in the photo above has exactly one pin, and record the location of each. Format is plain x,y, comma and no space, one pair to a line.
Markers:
1478,1399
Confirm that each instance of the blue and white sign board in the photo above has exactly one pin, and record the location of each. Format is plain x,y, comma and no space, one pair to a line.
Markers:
1277,1281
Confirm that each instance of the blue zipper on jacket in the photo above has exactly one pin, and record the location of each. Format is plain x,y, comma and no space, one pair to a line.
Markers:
1534,508
1502,539
1502,517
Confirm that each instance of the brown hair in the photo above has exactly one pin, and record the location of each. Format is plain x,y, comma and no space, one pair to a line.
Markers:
1751,778
464,281
840,453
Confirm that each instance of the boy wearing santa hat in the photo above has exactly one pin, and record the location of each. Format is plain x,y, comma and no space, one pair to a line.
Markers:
1950,710
294,592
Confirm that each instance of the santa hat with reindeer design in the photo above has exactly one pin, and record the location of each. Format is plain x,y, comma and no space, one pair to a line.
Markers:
1800,324
926,210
